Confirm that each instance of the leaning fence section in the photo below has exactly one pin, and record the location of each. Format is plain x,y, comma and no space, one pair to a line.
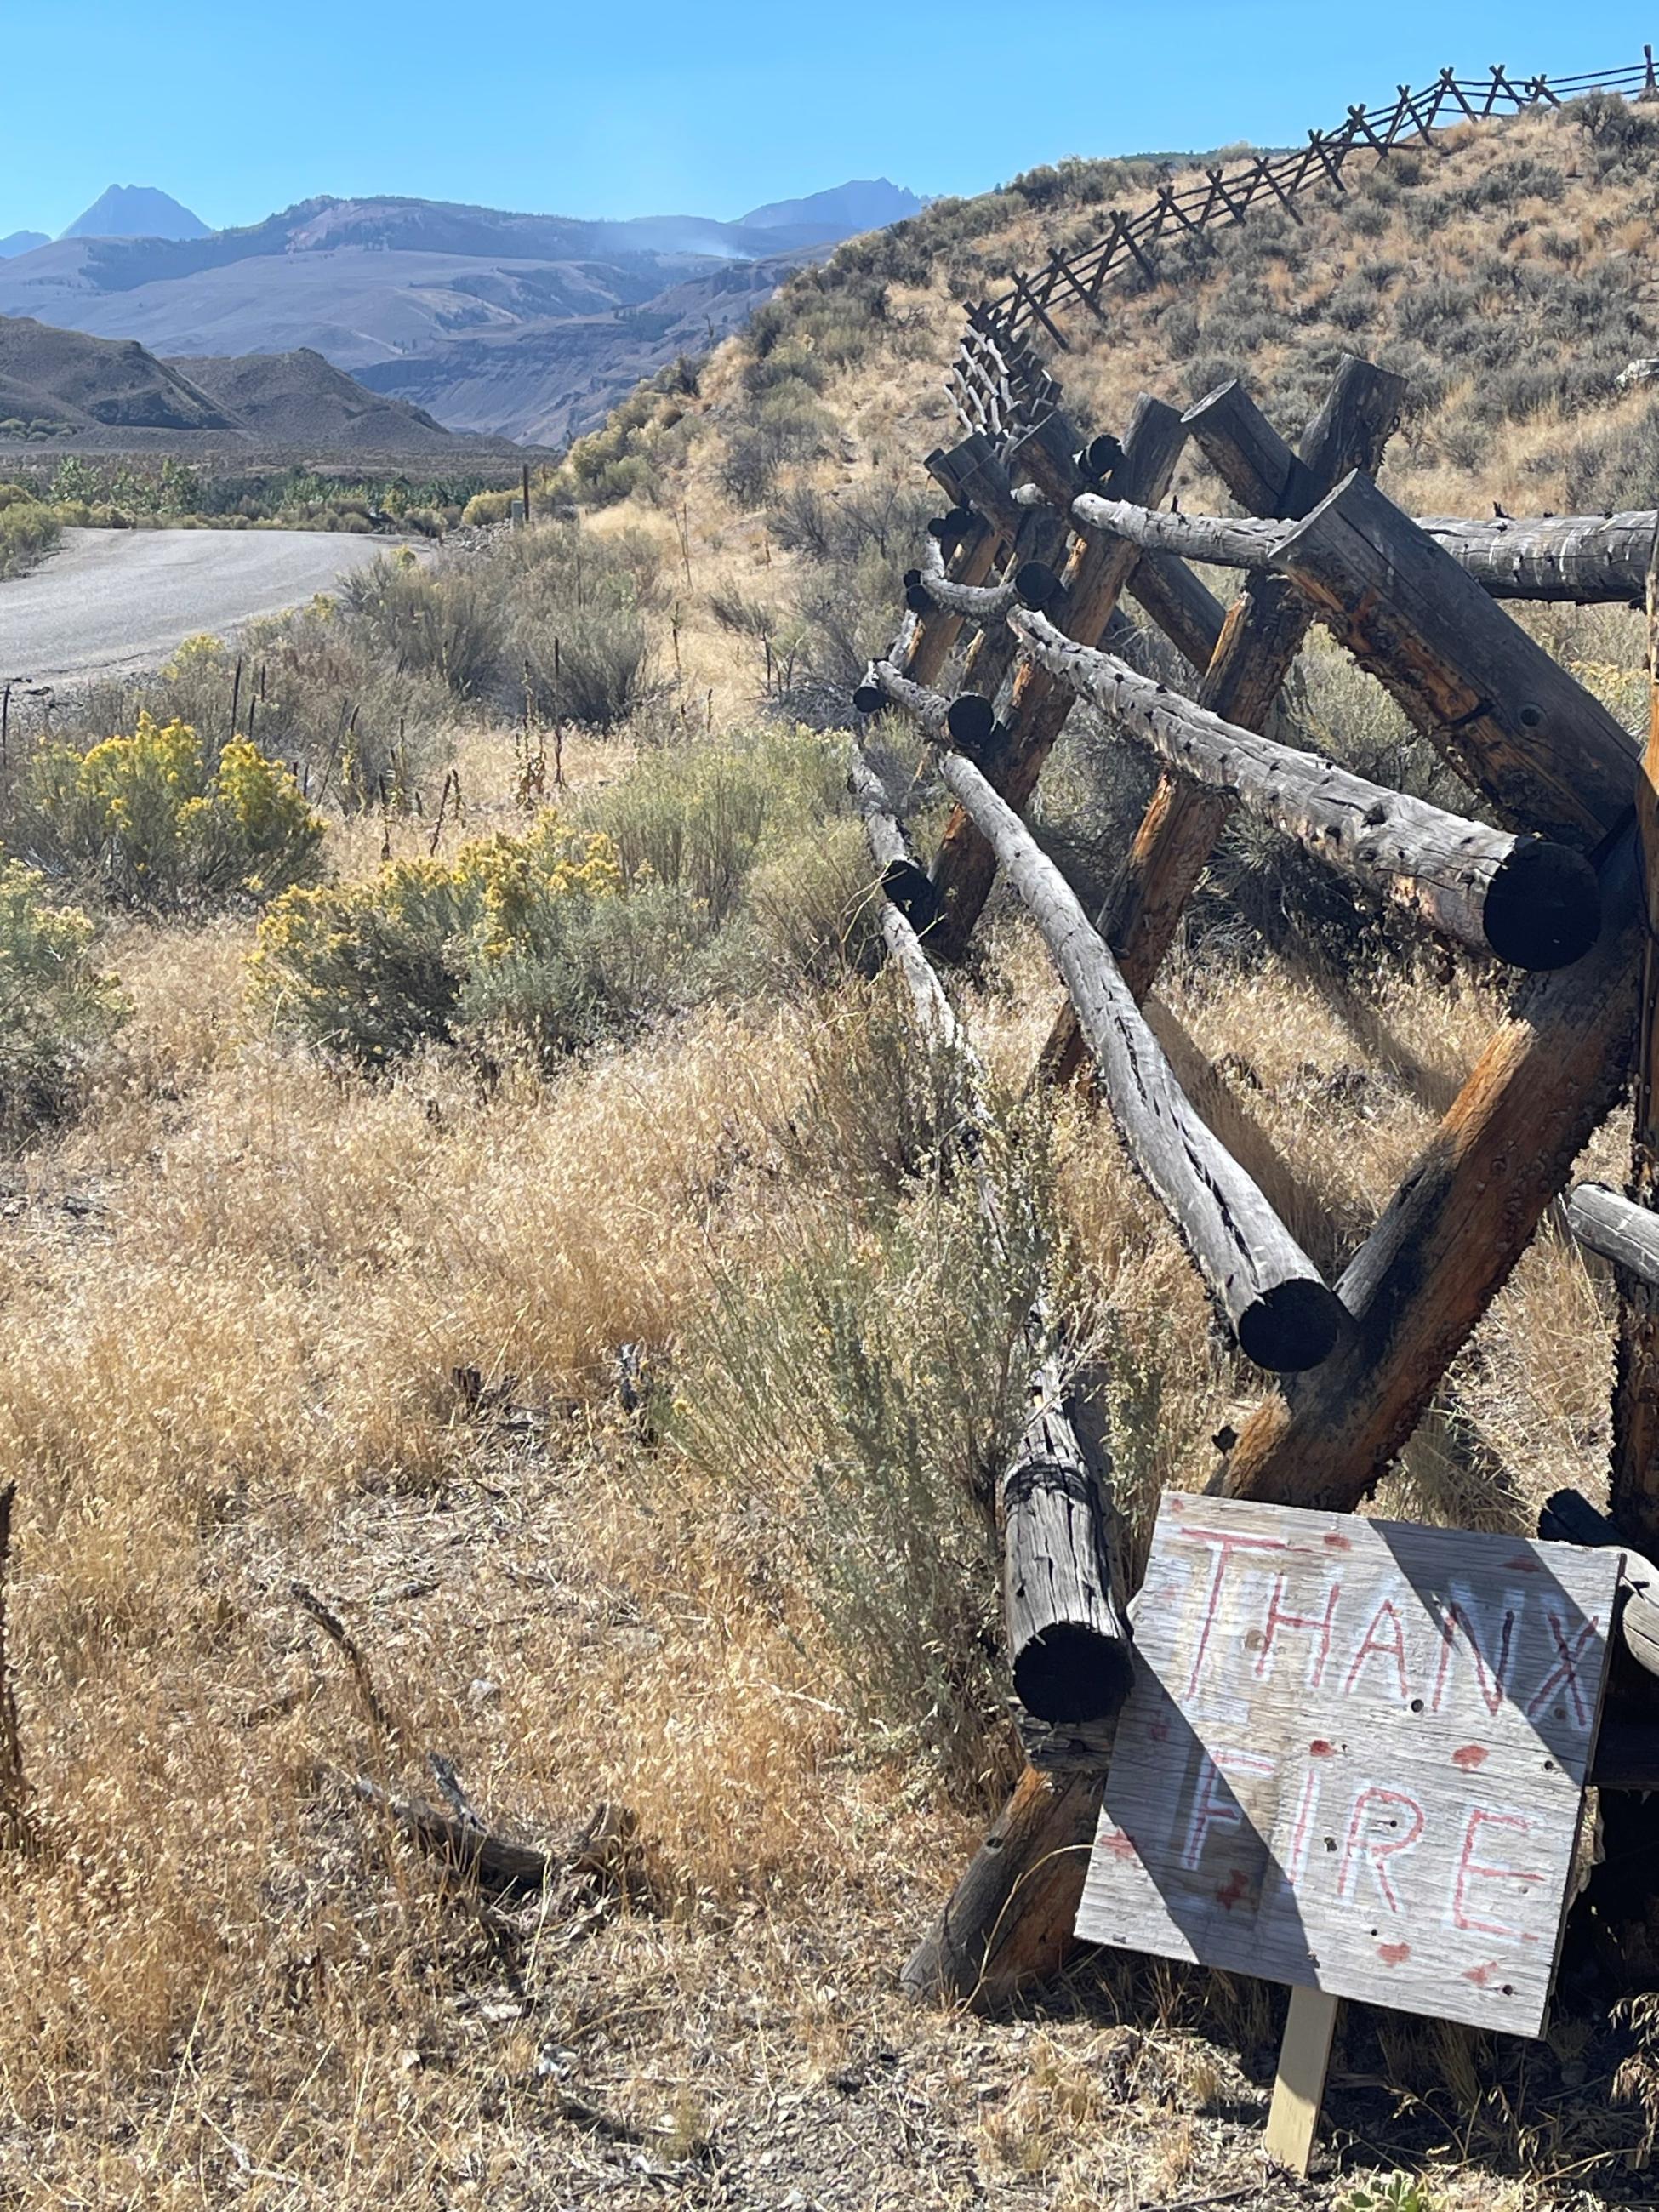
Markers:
1016,611
999,382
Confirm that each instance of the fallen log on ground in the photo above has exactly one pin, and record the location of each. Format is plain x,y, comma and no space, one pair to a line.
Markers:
467,1850
1532,903
1068,1650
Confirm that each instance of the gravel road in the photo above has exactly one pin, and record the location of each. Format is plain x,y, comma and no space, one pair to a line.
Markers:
111,602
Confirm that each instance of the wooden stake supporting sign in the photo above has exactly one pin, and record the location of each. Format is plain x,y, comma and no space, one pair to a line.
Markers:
1354,1760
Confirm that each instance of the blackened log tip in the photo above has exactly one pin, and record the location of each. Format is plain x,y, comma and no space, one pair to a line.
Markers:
1100,456
1292,1326
1073,1672
1543,906
911,889
1037,586
970,720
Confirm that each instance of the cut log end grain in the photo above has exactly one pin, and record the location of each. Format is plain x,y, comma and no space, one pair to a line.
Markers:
1543,907
1073,1672
1292,1326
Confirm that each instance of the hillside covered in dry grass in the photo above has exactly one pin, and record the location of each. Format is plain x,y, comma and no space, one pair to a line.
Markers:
477,1280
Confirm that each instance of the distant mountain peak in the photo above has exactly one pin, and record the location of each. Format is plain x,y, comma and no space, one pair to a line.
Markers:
22,242
136,211
865,203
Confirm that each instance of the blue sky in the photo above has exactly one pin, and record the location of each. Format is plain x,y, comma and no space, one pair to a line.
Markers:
238,107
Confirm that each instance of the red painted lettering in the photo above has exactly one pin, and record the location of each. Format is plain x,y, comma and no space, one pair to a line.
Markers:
1492,1681
1470,1869
1386,1808
1316,1625
1565,1674
1373,1647
1225,1546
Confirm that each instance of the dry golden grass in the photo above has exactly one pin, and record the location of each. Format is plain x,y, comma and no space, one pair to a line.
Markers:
234,1298
263,1321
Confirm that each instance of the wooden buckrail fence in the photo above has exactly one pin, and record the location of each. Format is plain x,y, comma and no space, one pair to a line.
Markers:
998,381
1019,592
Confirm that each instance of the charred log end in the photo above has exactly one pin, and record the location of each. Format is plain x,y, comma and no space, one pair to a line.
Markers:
918,598
1038,587
950,529
911,889
971,722
1292,1327
1073,1672
1099,458
869,698
1543,907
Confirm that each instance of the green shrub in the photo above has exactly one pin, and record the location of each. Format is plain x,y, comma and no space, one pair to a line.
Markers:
587,925
487,507
57,1011
1617,467
698,817
28,532
442,623
504,935
157,819
787,425
898,1321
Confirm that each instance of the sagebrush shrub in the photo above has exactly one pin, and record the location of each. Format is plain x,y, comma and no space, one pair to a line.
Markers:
635,905
159,819
428,949
56,1009
869,1376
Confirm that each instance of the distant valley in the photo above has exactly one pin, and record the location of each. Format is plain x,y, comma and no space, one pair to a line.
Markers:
522,326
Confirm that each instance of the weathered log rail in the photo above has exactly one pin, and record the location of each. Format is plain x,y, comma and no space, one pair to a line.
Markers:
1279,1307
1550,880
1583,560
1532,903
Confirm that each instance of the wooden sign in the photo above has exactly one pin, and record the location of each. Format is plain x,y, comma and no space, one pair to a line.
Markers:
1354,1756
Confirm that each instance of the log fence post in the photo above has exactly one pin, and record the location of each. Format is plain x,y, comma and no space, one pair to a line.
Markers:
1094,577
1633,1493
1256,650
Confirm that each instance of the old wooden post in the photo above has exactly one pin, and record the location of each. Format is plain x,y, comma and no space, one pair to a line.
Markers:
1634,1494
1256,650
1095,577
